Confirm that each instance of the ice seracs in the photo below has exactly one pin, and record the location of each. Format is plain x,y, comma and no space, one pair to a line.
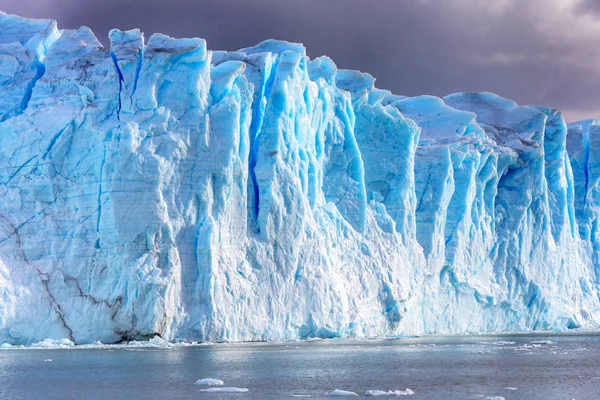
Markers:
157,189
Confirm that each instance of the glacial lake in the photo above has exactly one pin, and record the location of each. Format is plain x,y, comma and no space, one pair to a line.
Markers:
529,367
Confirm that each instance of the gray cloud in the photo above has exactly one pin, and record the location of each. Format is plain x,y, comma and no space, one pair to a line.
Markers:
535,51
588,6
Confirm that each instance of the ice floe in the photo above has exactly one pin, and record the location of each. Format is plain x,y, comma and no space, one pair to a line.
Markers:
209,382
406,392
224,390
338,392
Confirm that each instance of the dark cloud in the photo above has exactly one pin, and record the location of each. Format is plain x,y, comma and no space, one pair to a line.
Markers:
534,51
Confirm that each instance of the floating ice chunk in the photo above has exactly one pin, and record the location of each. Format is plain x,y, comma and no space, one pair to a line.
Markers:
503,343
542,342
495,398
155,342
406,392
6,346
158,341
209,382
511,388
338,392
224,390
300,395
48,360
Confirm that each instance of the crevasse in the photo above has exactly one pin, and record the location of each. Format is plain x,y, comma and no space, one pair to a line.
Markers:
159,188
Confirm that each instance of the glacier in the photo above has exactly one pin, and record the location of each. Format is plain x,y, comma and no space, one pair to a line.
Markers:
157,188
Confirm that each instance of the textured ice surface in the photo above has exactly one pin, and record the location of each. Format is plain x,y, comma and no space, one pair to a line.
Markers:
157,188
341,393
209,382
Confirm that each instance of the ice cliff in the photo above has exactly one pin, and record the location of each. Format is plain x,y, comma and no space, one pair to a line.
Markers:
159,188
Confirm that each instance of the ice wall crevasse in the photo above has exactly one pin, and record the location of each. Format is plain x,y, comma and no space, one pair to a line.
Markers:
582,144
159,188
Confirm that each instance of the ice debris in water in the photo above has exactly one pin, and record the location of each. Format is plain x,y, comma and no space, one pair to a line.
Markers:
54,344
503,343
44,344
224,390
209,382
339,392
406,392
155,187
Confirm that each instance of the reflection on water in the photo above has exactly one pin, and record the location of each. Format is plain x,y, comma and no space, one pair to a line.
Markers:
512,367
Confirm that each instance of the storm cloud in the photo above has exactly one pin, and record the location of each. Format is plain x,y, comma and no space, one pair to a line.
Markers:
541,52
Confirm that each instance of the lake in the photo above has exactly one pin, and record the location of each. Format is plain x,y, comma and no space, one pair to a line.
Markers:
540,366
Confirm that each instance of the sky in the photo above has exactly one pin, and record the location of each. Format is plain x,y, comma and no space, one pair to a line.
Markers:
538,52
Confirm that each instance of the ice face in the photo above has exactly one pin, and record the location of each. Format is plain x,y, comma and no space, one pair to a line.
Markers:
583,141
159,188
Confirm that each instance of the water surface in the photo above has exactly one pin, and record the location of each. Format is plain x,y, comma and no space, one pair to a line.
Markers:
514,367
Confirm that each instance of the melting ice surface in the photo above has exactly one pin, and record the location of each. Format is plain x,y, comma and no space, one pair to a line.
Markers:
159,188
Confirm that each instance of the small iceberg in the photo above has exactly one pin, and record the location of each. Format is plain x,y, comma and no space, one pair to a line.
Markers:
209,382
406,392
338,392
224,390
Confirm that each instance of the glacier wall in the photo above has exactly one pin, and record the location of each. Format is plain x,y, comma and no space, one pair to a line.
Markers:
159,188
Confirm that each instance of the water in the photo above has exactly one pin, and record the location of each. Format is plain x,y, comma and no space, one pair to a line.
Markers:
539,367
